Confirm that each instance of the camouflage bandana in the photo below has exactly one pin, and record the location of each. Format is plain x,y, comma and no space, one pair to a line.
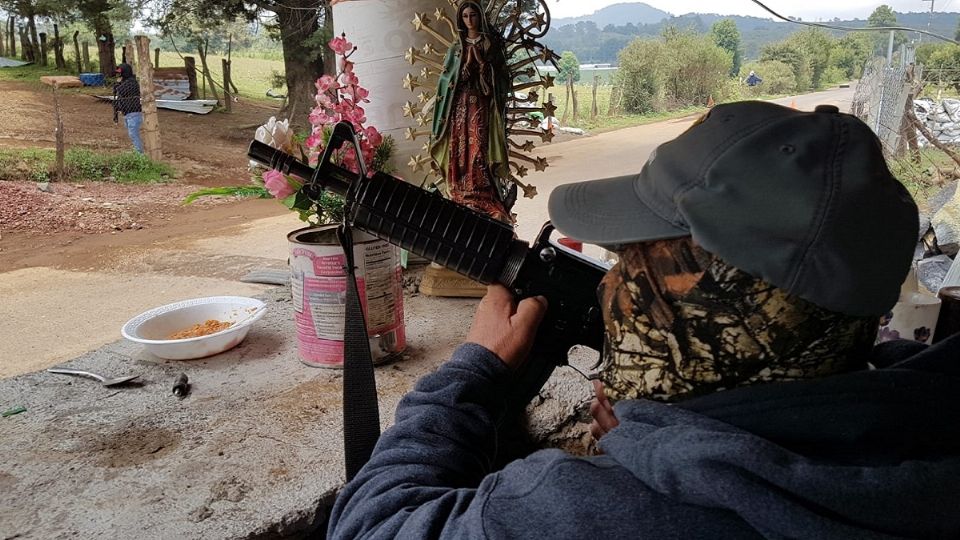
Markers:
680,322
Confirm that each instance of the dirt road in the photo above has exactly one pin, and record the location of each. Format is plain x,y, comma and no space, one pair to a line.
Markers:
65,295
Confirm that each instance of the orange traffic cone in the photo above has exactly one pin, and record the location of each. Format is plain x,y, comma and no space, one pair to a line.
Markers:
793,104
710,102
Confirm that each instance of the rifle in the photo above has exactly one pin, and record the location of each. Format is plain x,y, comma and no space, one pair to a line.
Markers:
467,242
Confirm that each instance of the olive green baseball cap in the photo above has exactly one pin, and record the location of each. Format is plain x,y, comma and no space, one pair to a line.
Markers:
802,200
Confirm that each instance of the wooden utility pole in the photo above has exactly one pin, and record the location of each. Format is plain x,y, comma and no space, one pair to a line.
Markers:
151,123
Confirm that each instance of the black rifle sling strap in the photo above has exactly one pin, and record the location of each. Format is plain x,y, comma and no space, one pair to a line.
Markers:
361,413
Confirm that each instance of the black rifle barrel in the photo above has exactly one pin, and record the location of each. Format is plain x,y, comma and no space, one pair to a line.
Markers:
412,218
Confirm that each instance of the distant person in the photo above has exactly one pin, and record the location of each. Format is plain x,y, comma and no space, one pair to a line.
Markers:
753,79
126,100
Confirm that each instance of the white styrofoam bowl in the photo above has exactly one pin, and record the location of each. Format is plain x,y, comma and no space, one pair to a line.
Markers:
152,328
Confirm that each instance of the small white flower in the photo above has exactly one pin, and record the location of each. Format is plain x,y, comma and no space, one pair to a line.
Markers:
277,134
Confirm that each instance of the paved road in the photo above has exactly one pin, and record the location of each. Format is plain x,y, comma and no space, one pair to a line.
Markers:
55,315
623,152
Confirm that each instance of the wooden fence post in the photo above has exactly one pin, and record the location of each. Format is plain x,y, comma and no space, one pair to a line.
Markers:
576,107
3,39
12,34
43,48
594,109
615,95
191,66
86,57
58,48
227,96
156,58
129,54
76,51
58,122
151,124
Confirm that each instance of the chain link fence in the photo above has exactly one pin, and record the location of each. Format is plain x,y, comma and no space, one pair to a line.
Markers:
881,98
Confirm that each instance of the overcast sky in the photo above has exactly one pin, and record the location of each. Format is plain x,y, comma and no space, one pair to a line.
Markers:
808,10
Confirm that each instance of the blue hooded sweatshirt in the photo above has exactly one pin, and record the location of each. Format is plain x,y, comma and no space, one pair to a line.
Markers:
867,455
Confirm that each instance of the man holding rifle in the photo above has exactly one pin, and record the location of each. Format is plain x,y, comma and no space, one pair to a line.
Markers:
757,252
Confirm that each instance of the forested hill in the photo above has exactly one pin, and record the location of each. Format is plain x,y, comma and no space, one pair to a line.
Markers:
634,12
595,40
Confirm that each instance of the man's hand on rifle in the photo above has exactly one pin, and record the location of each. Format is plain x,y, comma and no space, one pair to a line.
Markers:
505,328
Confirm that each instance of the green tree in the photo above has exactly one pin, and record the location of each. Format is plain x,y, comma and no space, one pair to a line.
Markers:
569,66
881,17
726,35
818,47
680,69
637,76
791,55
851,54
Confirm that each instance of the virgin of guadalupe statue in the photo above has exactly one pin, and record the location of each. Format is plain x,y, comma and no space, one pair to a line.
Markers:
469,134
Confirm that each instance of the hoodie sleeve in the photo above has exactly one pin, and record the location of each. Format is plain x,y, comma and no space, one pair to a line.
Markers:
424,478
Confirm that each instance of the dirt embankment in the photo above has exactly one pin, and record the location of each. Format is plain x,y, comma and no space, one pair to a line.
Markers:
37,226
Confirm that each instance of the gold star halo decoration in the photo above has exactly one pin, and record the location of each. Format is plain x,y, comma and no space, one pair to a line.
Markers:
521,29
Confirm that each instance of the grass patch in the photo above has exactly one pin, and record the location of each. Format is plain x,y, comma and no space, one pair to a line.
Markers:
30,73
922,179
253,76
82,165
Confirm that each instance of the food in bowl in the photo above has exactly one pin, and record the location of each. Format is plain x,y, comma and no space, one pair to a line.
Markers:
211,326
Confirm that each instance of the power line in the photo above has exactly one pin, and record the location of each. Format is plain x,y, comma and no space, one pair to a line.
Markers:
849,29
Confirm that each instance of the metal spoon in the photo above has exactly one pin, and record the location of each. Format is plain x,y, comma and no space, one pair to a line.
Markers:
105,381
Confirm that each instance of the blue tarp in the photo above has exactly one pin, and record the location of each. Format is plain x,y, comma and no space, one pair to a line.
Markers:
6,62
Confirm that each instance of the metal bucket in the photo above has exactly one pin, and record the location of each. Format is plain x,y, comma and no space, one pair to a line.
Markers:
319,286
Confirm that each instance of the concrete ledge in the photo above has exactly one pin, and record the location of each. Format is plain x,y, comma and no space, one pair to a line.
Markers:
255,450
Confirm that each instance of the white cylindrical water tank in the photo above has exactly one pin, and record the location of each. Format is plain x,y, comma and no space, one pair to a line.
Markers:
382,30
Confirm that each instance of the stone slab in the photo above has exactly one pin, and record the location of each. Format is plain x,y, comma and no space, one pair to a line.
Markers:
62,81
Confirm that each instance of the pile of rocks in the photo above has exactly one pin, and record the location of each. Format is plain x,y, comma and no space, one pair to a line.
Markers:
940,239
942,119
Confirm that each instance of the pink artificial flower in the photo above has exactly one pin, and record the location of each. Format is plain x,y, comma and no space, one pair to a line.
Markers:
349,78
373,135
324,100
326,83
319,117
277,184
356,93
340,45
315,140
